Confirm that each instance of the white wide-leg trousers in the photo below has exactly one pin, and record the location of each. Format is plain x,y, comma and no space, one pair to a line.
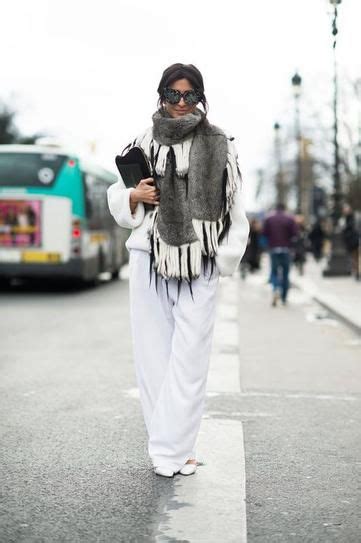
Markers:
171,345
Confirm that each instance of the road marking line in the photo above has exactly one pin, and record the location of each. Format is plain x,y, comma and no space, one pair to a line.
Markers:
131,392
302,396
210,506
221,415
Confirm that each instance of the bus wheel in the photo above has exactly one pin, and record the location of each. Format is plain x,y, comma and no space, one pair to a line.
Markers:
91,282
101,262
115,275
5,283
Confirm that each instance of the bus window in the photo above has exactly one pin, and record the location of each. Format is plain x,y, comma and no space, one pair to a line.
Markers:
96,201
29,169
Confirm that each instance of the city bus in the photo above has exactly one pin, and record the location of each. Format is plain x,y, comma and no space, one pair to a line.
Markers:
54,217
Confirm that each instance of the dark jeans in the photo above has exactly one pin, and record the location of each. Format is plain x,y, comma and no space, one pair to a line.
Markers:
280,267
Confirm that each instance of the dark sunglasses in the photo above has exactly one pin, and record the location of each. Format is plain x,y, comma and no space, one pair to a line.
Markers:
173,96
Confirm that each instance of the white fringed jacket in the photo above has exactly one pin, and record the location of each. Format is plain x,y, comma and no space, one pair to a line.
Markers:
230,249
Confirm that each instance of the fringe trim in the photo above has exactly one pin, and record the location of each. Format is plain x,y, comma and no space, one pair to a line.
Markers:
181,152
161,163
145,140
208,233
184,262
232,175
170,261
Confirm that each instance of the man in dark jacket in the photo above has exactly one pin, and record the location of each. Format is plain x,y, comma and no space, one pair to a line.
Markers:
281,230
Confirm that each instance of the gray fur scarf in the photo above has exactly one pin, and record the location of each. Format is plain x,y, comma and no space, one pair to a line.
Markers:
196,175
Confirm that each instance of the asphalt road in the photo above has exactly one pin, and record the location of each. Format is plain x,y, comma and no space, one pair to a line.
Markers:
283,403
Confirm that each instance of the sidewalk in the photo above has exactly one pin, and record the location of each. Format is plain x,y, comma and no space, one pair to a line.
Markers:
340,295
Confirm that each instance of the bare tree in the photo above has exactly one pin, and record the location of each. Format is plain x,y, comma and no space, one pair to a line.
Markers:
9,132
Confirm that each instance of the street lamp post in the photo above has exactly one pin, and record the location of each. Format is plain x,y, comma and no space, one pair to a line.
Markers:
296,85
358,180
339,263
280,181
358,148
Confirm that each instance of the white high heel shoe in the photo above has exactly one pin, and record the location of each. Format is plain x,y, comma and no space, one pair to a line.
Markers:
164,472
188,469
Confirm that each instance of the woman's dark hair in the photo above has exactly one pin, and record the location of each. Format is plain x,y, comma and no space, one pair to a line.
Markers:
182,71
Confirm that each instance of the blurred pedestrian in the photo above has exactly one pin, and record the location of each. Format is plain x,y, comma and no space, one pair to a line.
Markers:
351,237
300,244
251,258
280,229
197,230
317,236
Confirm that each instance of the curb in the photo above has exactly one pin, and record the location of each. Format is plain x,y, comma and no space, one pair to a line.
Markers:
346,319
328,302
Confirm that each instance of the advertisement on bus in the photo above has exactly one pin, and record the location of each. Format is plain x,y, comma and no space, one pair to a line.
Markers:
20,223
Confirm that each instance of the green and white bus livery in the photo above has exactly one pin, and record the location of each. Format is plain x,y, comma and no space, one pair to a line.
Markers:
54,218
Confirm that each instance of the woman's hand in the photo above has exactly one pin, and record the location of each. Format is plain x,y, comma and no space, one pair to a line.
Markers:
145,192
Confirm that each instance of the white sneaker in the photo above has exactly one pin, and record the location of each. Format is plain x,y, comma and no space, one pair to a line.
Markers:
188,469
165,472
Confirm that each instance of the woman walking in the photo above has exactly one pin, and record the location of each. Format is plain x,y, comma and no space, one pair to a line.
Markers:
195,230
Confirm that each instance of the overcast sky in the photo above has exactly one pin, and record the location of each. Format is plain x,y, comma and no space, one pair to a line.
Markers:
89,70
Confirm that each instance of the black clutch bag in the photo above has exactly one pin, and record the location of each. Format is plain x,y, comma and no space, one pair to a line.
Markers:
133,166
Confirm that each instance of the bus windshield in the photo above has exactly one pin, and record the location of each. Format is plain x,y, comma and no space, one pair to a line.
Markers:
29,169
